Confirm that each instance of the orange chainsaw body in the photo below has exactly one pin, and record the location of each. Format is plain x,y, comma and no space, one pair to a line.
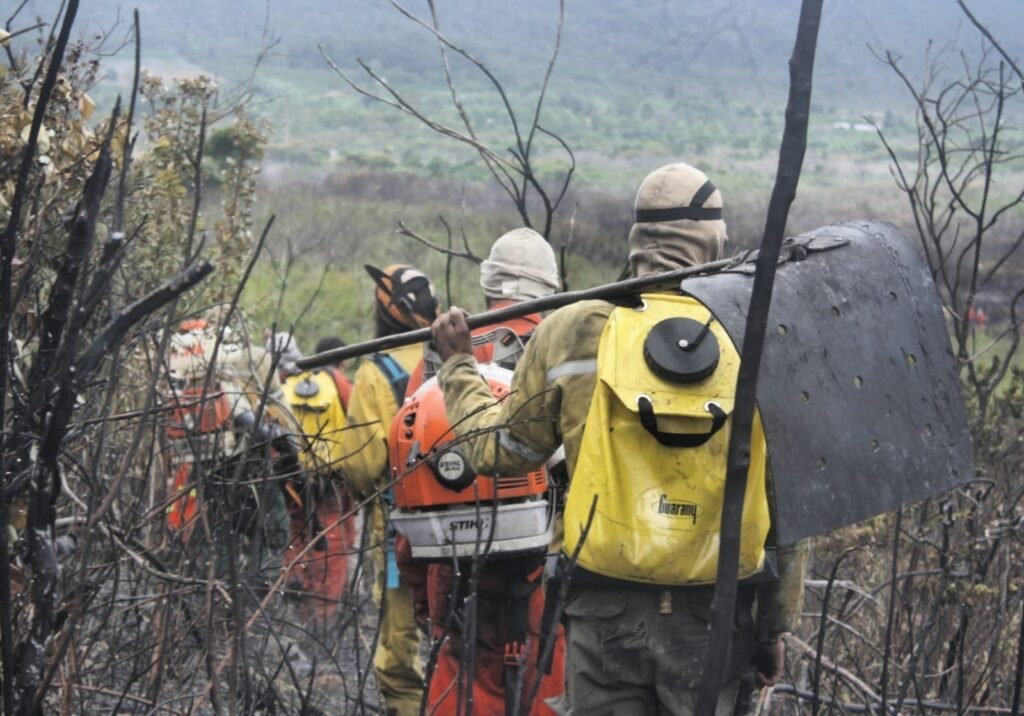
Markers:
442,506
424,448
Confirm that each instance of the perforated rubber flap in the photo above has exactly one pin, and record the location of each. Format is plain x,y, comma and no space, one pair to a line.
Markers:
858,390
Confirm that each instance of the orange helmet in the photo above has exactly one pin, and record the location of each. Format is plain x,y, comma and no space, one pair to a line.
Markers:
404,297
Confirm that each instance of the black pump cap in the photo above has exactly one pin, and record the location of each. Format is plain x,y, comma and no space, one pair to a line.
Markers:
681,350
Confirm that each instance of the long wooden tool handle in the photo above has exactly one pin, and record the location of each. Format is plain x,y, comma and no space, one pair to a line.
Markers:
622,289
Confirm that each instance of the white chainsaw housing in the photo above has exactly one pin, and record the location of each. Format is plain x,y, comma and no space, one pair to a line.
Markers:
466,530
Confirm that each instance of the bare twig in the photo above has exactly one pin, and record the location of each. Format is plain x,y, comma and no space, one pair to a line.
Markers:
517,178
988,36
404,230
891,611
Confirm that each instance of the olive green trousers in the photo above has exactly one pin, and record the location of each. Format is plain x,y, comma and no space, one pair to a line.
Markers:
641,651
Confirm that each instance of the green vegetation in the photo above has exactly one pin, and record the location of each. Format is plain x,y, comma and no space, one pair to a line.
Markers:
131,619
313,276
633,86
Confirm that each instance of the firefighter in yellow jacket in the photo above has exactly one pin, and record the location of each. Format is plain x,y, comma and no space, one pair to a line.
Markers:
403,299
636,640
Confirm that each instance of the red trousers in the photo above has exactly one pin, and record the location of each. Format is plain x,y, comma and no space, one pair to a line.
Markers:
489,670
433,588
319,575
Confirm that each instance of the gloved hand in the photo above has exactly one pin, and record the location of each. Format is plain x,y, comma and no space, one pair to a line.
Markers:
769,660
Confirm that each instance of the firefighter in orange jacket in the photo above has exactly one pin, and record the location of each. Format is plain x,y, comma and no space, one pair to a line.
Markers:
521,266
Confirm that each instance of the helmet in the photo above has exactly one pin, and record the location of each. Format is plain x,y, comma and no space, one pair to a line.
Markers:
521,266
404,297
678,221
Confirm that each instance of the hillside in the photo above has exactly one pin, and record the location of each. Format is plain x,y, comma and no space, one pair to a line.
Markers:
634,80
656,47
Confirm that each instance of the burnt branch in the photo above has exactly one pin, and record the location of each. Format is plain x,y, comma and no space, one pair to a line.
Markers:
115,332
129,140
791,156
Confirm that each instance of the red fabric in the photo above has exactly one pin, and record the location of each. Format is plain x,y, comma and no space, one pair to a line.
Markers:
344,386
522,327
493,621
320,573
977,315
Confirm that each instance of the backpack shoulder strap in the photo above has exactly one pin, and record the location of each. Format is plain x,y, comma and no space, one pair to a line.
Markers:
396,375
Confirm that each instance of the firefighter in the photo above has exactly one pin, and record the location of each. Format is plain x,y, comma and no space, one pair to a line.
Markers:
521,266
213,438
634,646
403,299
321,506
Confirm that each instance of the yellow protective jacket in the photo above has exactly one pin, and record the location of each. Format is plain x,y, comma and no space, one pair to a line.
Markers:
551,393
371,409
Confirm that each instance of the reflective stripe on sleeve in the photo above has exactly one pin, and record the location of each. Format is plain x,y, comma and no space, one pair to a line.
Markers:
572,367
509,443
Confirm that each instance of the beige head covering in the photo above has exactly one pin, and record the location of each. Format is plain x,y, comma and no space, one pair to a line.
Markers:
678,221
521,266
